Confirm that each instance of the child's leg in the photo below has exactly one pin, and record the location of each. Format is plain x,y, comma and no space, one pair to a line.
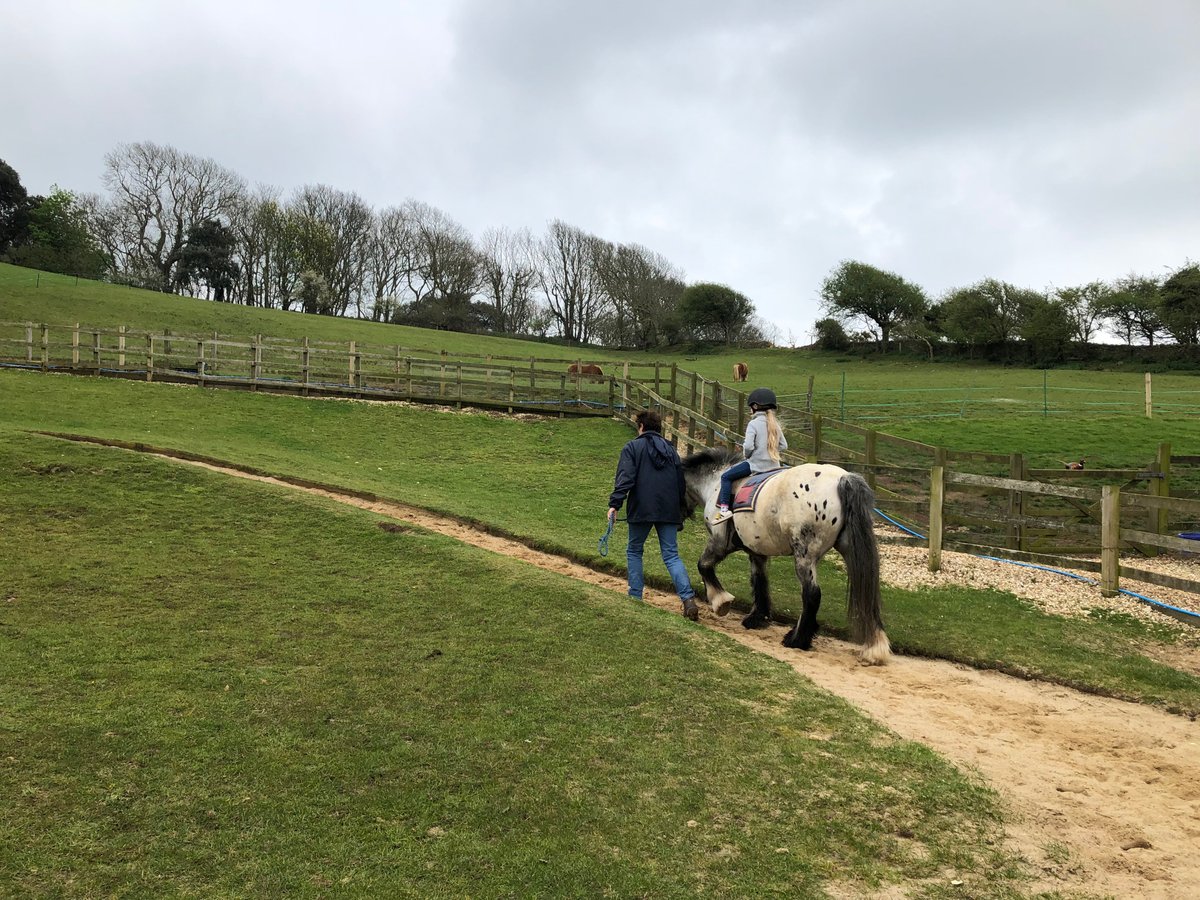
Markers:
728,477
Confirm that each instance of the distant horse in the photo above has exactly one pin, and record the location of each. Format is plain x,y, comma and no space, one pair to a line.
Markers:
586,369
802,512
740,371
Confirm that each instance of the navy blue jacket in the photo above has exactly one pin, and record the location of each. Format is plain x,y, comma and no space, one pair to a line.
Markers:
650,475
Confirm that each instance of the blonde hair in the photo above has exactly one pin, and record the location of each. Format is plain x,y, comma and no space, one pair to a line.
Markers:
774,433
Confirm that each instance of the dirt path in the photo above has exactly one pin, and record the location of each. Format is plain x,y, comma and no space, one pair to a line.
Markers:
1104,795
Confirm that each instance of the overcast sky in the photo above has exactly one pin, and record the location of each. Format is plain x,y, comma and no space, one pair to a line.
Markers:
1044,142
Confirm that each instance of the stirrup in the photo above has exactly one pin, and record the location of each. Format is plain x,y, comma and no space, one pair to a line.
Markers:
719,516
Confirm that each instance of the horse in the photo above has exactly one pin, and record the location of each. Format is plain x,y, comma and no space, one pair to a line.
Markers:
802,512
740,371
586,369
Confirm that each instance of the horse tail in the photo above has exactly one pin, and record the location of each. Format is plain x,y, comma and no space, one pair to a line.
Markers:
858,547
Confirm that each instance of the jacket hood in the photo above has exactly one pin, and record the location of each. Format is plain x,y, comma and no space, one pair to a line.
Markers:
661,452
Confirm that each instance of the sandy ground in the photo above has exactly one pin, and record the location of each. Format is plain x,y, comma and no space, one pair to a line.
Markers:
1103,795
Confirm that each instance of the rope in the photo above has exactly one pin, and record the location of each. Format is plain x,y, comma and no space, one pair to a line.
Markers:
603,545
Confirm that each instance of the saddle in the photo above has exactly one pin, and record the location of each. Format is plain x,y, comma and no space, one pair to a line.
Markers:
746,496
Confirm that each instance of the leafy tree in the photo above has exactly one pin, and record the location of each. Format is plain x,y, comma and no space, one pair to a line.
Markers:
14,208
831,335
207,259
1133,307
313,293
1180,304
1084,307
714,311
59,238
855,290
987,314
1047,330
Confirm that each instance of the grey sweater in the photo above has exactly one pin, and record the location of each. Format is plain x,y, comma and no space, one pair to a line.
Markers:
755,445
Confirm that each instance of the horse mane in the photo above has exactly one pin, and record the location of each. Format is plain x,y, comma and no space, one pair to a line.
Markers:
699,463
711,458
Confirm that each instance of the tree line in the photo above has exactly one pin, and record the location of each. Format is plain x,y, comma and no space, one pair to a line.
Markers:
178,223
1000,321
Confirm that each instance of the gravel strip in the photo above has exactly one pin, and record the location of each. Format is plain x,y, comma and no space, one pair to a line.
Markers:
907,567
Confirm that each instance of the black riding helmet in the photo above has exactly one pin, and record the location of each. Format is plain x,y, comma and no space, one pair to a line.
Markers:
762,398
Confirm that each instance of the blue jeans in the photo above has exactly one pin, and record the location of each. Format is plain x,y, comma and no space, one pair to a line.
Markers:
668,543
728,477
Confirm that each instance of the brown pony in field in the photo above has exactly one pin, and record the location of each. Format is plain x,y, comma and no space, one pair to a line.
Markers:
740,371
586,369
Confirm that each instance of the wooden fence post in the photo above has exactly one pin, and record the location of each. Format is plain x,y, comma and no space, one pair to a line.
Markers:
96,350
625,386
353,358
75,346
150,357
871,459
305,367
675,396
45,347
1016,502
816,427
612,394
255,360
937,499
1149,398
29,342
120,346
562,396
1110,539
808,403
512,388
718,402
200,362
1160,487
741,418
458,381
396,382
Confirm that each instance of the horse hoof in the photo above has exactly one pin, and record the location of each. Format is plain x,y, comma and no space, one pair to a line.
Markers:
797,643
753,621
691,610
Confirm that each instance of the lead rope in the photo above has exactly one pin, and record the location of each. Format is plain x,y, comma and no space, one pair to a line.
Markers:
603,545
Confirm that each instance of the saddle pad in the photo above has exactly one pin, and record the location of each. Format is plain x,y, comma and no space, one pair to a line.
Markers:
747,492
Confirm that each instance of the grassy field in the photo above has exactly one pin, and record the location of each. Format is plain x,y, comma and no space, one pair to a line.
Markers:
546,481
215,688
876,390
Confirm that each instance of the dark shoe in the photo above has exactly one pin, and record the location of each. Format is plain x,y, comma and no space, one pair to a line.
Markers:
691,610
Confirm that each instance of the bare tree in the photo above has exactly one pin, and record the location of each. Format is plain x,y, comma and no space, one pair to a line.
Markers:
643,290
390,261
333,233
445,264
158,194
570,279
510,275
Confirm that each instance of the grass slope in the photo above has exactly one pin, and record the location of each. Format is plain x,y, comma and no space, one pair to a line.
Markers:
546,481
217,688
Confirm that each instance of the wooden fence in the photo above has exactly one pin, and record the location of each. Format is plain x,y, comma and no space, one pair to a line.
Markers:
969,500
314,368
1011,511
